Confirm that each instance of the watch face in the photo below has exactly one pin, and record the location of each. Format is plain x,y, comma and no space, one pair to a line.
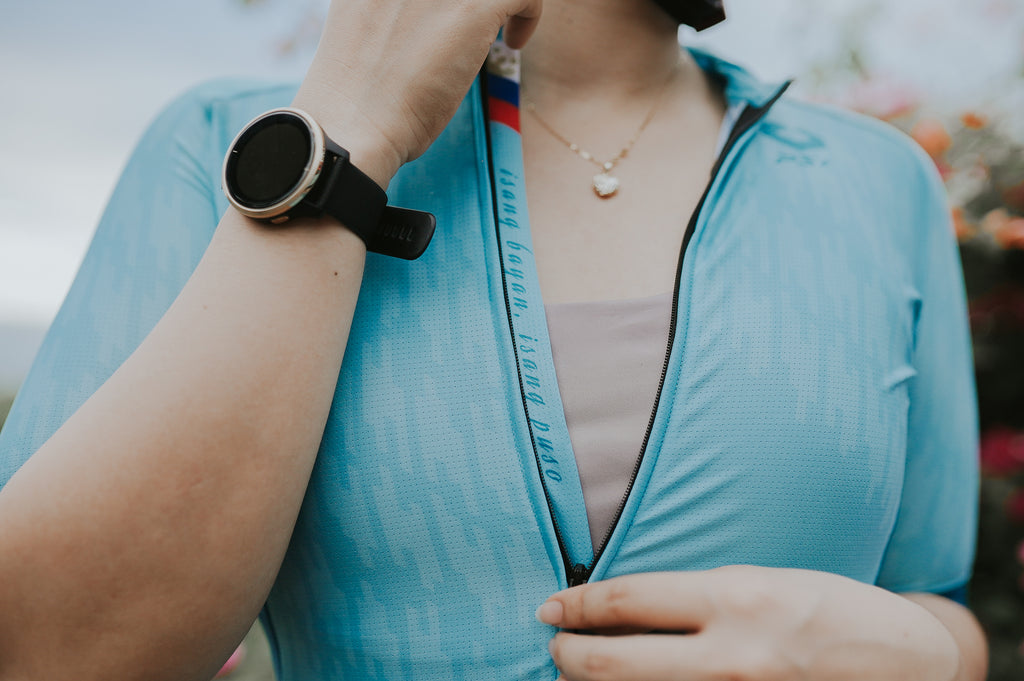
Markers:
272,163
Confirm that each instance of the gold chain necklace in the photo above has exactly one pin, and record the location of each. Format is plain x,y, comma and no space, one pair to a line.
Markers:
605,184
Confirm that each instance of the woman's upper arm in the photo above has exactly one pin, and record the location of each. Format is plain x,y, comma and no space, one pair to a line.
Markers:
932,544
154,230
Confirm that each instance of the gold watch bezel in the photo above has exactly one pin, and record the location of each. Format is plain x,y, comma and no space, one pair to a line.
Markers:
277,212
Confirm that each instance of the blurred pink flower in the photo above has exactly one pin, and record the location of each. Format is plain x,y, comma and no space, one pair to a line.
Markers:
1002,452
1015,506
233,662
1003,307
998,10
881,97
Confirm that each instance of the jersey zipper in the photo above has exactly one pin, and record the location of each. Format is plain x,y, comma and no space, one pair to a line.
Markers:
579,573
747,119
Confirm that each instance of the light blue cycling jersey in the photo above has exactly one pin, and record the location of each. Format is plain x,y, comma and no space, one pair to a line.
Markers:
817,408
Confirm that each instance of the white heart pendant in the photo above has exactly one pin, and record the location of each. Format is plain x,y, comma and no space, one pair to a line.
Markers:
605,185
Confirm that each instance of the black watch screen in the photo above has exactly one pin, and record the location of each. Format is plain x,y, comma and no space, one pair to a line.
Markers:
270,160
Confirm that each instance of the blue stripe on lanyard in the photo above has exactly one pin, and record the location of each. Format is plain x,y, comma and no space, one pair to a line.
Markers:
539,385
504,89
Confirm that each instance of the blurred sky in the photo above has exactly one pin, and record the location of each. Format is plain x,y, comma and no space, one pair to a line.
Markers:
79,81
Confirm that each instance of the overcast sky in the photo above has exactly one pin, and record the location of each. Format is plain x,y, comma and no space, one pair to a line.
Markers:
79,81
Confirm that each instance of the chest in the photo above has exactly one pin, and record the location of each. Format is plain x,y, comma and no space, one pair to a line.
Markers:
443,488
590,248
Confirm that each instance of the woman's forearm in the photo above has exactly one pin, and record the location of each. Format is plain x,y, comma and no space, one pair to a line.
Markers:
150,527
964,628
176,485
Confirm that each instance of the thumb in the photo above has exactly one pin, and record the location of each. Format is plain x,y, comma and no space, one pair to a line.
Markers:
522,24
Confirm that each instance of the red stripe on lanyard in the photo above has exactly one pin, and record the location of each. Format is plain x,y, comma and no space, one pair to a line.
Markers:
500,111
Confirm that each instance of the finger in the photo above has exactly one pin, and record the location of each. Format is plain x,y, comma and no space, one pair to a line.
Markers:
622,631
664,601
654,657
521,26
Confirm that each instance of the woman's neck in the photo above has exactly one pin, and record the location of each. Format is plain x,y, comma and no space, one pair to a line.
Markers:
608,49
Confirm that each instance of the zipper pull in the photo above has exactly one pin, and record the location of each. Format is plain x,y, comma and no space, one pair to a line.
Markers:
578,575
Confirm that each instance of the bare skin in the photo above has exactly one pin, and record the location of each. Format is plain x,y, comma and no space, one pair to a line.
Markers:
763,624
110,521
589,248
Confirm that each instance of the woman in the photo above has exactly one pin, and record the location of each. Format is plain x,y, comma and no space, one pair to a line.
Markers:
806,434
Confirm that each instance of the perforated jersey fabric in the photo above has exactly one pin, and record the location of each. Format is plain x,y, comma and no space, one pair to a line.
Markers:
817,409
607,357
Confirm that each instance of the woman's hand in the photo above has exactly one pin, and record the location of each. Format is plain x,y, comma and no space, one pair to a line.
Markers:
742,622
389,74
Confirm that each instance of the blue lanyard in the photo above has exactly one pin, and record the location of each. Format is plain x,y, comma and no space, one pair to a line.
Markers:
527,321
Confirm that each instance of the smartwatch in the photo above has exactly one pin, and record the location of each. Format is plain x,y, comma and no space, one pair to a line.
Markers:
282,166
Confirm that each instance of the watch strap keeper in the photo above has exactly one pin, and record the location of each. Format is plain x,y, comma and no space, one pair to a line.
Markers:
354,199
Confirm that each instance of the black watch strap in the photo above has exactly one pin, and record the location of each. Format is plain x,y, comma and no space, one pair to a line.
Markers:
351,197
402,233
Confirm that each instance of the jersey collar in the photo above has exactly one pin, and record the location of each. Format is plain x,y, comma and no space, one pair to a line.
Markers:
740,86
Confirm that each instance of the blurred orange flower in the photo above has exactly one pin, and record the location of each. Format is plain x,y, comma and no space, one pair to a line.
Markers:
973,121
932,137
961,227
1011,233
1006,229
994,220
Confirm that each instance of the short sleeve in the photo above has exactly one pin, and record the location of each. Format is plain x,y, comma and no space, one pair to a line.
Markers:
932,544
156,227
